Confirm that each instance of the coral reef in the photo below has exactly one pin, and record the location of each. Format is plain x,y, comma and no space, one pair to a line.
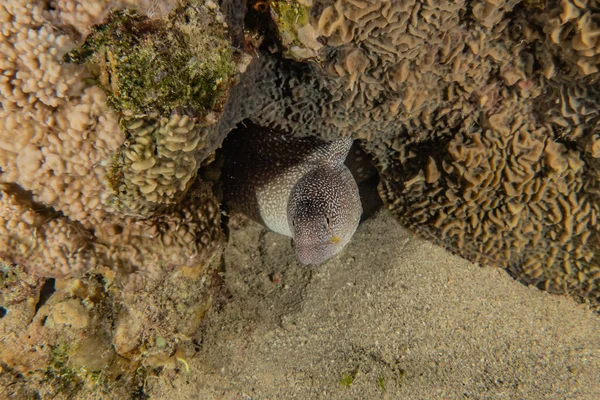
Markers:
66,153
168,80
67,338
481,117
79,176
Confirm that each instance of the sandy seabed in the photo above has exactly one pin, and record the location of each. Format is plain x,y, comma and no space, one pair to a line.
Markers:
392,317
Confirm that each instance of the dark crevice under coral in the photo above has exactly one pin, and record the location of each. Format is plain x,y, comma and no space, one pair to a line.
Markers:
429,179
358,161
427,163
46,291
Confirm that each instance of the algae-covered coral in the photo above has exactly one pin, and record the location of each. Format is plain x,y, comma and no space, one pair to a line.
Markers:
63,210
82,170
168,80
156,66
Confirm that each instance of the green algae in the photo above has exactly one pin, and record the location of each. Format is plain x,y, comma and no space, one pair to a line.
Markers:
381,383
71,381
183,62
289,16
64,378
347,379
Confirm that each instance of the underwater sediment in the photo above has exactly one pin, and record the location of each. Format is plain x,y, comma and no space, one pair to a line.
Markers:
481,118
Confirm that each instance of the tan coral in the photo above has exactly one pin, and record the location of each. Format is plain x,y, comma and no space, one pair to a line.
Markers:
573,110
409,53
58,144
508,190
46,244
63,158
573,26
160,159
63,153
491,12
187,235
31,55
61,162
66,133
83,14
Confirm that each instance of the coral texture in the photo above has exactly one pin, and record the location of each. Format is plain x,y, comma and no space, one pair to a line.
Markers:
81,338
168,101
78,175
65,152
482,121
481,116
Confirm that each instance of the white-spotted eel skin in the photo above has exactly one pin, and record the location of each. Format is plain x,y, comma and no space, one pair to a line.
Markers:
298,187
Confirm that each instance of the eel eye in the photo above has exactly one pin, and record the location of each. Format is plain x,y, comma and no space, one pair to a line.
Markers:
327,222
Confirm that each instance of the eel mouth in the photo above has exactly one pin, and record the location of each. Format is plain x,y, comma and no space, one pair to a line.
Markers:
313,254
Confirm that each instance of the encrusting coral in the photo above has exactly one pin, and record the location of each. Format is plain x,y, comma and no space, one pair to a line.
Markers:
573,27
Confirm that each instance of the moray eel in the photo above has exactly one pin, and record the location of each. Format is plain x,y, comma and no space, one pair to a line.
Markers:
298,187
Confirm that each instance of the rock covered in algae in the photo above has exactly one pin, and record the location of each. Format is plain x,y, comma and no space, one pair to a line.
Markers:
78,338
182,62
298,37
